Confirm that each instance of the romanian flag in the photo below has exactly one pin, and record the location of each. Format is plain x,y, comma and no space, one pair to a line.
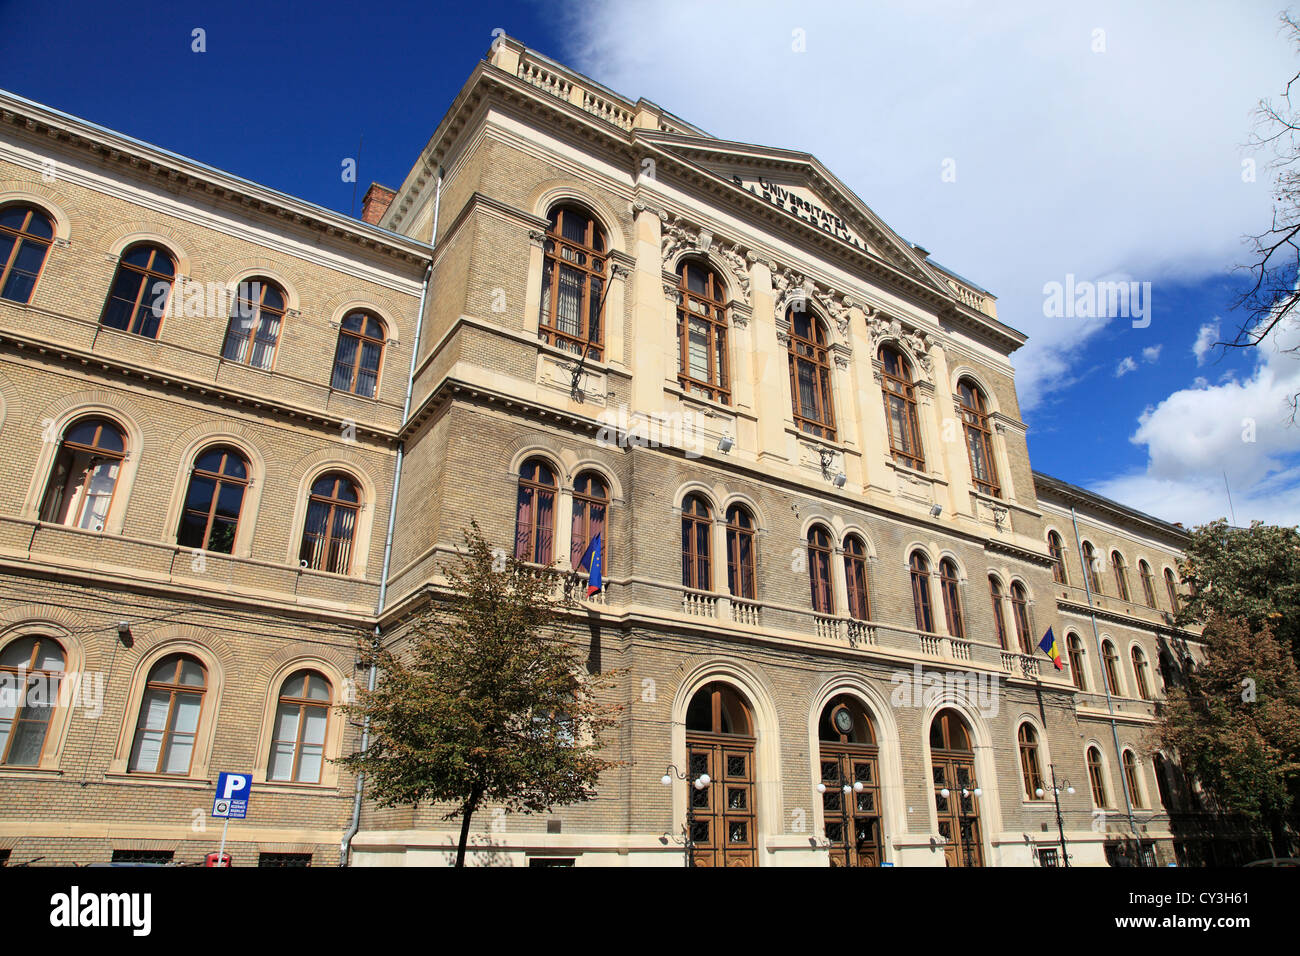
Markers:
591,562
1048,645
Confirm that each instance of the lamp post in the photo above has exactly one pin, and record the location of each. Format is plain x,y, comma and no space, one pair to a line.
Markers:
972,790
1056,799
846,791
699,783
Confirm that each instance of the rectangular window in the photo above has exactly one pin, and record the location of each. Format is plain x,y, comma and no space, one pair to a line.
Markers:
284,859
145,857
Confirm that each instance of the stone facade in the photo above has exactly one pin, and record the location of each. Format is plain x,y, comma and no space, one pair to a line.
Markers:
465,236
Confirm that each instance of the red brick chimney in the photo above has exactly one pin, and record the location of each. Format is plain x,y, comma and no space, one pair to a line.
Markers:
375,203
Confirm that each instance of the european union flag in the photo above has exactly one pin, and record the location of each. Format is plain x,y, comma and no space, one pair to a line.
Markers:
1048,646
591,561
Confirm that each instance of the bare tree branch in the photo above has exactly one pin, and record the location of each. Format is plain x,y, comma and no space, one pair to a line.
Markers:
1274,296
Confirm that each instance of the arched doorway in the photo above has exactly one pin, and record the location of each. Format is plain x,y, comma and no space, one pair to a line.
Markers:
956,793
720,743
850,758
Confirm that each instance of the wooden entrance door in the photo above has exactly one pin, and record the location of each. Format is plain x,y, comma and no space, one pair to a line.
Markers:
720,742
723,826
953,767
841,764
848,755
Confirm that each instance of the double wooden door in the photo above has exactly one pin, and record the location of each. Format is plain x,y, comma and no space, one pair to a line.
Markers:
723,816
860,844
959,821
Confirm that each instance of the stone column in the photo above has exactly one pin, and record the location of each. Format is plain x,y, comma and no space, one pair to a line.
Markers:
770,369
651,323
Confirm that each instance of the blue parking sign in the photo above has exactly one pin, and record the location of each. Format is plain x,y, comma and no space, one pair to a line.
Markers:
233,790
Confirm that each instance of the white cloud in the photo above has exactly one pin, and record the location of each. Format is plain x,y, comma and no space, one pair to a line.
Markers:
1151,355
1238,430
1126,365
1066,160
1206,336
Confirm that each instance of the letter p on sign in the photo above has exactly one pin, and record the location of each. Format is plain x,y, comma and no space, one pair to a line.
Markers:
234,783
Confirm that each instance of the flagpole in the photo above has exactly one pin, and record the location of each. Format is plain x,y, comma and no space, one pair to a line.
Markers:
1105,681
1056,796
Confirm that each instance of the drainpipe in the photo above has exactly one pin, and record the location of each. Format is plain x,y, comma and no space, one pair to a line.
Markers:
355,825
1105,682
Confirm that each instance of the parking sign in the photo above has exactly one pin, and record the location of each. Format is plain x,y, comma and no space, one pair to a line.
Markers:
233,790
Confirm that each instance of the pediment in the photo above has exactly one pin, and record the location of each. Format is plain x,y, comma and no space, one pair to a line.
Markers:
802,188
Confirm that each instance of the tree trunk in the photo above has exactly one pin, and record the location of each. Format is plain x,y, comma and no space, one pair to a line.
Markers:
464,835
466,812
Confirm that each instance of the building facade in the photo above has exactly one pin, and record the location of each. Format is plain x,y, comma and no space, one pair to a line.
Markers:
828,561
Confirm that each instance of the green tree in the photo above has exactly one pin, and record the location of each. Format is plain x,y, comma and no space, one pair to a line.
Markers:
486,702
1236,724
1252,574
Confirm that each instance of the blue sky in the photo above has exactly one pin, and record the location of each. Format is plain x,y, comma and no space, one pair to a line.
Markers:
1101,144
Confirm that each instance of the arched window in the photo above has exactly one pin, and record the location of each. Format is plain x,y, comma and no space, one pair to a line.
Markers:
169,716
999,622
573,283
1131,780
85,474
590,506
1020,614
30,671
718,709
1074,647
1111,661
948,732
979,438
1161,768
1172,587
702,332
850,783
1058,558
1097,778
1121,575
25,237
331,524
535,512
951,598
1030,770
956,801
855,577
1148,583
359,354
298,740
1140,673
210,519
255,324
1090,563
740,552
140,291
697,526
919,569
819,570
900,410
810,375
720,743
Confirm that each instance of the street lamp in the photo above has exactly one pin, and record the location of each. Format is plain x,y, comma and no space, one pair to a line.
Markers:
857,786
1056,799
699,783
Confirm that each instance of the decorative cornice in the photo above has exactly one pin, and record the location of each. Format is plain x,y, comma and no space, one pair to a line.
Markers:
918,342
680,236
185,176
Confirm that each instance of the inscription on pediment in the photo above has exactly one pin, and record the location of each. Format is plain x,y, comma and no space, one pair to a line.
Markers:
803,205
